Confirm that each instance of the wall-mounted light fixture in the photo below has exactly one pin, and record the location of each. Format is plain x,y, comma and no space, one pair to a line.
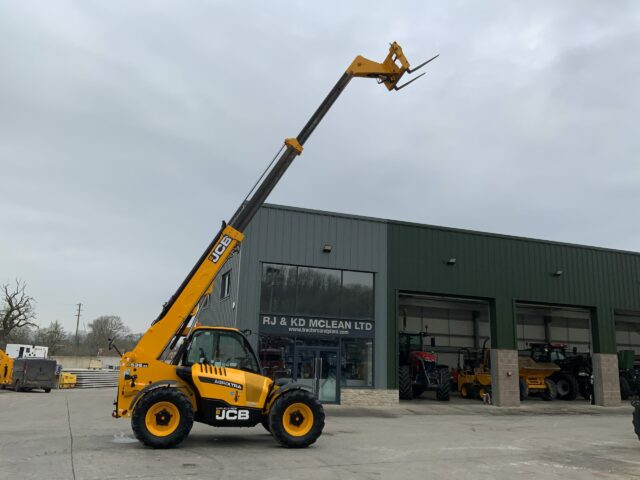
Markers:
327,248
451,261
558,273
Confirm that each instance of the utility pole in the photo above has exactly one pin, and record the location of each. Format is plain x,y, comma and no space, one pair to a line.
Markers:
79,305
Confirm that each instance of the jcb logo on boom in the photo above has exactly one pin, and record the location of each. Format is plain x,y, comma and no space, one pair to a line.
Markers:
231,414
221,247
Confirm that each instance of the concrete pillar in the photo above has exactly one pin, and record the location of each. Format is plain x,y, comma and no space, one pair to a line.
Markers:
504,378
606,379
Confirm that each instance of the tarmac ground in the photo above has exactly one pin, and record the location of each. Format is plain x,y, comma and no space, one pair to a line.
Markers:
69,434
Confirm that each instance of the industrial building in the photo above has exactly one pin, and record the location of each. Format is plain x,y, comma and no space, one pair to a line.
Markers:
325,296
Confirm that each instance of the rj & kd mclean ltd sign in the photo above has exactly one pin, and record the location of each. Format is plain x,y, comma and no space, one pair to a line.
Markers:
288,324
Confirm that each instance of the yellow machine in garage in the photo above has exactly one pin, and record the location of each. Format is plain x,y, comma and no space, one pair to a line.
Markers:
6,369
533,377
180,372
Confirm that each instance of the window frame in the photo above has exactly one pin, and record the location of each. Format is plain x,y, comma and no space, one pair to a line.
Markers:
296,308
225,285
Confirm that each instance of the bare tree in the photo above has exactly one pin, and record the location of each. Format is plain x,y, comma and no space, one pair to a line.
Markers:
17,311
102,329
54,337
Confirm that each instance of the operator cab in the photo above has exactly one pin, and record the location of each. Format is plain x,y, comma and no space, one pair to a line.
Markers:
220,347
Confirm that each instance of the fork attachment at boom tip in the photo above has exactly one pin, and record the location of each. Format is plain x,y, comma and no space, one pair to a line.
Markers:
389,72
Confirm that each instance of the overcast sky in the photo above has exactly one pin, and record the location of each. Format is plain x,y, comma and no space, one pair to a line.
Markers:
129,130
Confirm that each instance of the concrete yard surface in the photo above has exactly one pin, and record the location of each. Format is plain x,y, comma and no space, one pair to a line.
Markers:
70,434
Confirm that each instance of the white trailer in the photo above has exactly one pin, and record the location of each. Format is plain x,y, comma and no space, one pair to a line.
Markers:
16,350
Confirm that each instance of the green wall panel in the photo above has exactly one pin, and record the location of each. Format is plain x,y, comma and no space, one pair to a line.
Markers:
506,270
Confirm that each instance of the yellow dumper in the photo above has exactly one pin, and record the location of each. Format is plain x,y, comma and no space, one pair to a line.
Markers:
533,378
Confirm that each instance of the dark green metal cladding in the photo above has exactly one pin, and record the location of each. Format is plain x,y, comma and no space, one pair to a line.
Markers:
505,270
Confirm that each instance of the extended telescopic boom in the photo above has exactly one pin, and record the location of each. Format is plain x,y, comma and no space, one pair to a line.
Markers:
178,311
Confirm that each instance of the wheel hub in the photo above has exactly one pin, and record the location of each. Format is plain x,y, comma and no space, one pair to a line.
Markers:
296,419
163,418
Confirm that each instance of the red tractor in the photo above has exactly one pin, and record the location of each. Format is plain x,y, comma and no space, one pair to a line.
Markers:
419,370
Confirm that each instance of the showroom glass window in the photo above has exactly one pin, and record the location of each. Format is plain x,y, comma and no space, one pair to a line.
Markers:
324,292
357,362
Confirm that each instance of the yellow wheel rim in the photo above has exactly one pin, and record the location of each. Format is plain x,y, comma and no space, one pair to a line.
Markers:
162,419
297,419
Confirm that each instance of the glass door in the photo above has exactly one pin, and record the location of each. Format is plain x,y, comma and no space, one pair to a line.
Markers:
317,368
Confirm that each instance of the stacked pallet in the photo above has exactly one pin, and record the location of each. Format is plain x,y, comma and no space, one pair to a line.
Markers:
86,378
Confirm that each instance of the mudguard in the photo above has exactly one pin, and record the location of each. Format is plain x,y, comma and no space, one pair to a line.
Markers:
280,388
162,384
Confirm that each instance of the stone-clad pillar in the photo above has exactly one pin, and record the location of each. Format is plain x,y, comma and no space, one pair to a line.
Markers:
606,380
504,378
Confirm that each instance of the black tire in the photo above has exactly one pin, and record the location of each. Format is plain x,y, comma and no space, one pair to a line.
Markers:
524,389
278,421
405,384
17,387
417,390
625,388
551,392
636,421
567,386
443,391
185,420
47,390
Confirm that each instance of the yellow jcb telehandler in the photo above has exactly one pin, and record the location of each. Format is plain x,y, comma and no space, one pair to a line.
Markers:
181,372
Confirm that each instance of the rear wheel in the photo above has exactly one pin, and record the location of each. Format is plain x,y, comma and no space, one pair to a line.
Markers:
524,389
296,419
47,390
636,420
405,387
567,386
551,392
443,391
162,418
625,388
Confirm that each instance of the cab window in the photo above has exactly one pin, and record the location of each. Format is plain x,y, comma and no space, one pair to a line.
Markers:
201,348
222,349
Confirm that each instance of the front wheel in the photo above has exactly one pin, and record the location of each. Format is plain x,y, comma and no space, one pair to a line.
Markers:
296,419
162,418
551,392
405,383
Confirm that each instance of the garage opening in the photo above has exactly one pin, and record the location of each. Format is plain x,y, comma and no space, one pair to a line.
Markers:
555,346
438,336
628,331
554,324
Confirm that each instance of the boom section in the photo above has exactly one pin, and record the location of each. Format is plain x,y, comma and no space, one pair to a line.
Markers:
177,312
